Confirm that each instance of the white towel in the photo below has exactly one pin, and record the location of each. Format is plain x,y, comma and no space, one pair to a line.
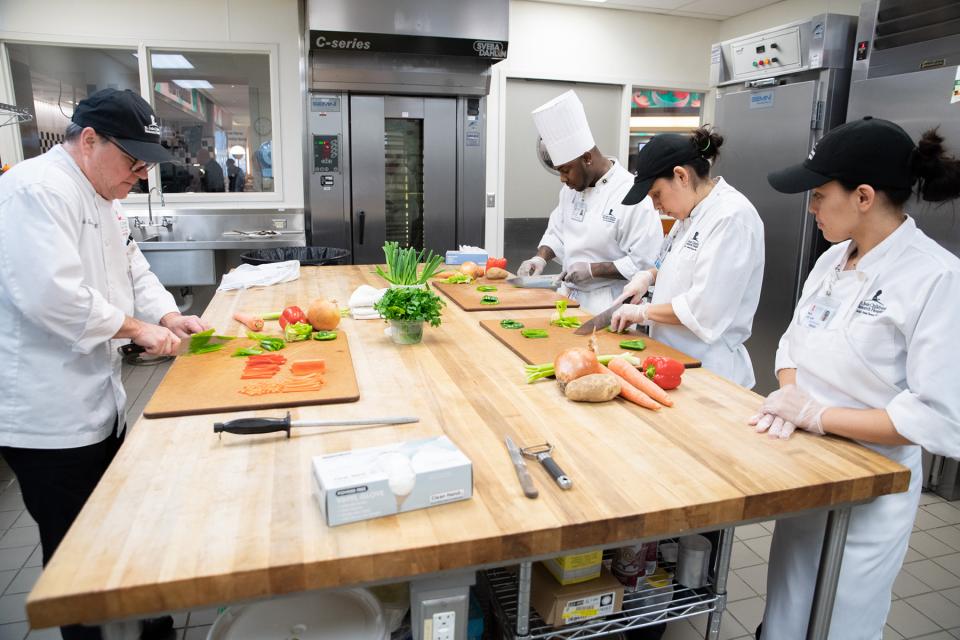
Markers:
362,301
264,275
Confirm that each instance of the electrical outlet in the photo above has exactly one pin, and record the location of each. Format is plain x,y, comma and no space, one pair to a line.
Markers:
444,625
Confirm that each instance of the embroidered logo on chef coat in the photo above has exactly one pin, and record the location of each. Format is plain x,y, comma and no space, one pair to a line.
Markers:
872,307
609,217
693,243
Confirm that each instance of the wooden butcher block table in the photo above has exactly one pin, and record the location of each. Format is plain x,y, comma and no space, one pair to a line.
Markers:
183,519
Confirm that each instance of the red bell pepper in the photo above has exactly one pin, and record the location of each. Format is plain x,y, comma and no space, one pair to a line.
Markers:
292,315
665,372
497,262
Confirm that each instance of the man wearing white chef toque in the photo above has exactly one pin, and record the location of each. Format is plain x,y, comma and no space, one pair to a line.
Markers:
599,241
870,355
709,270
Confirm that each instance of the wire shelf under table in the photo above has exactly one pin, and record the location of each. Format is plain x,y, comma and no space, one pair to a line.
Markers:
641,608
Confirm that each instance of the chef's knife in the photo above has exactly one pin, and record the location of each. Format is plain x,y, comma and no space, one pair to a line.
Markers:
245,426
601,320
526,482
535,282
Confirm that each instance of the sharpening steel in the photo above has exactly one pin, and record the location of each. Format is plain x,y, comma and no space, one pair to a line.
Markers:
244,426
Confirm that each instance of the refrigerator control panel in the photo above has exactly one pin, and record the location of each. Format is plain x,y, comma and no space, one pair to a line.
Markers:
759,56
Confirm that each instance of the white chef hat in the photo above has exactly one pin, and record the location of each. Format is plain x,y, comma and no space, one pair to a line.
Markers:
563,126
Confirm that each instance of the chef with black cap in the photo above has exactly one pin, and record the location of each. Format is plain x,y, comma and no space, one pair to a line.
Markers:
74,287
871,354
710,267
600,241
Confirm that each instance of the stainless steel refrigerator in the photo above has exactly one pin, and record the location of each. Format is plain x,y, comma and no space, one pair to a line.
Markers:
778,91
907,69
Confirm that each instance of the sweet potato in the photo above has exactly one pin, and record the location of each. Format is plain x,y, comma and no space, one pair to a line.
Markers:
595,387
496,273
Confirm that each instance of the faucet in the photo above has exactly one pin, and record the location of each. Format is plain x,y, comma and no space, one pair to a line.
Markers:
167,221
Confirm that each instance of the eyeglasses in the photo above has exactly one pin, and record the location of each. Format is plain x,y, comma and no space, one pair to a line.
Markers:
136,166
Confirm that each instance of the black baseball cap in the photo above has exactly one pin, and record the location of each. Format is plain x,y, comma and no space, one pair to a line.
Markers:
867,151
660,155
127,119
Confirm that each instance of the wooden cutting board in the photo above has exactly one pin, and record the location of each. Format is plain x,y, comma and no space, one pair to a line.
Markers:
511,298
210,382
541,350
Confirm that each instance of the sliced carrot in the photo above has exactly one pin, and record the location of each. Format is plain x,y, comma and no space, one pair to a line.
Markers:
303,367
628,372
634,395
251,322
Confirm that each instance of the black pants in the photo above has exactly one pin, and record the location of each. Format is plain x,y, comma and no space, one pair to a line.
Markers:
55,484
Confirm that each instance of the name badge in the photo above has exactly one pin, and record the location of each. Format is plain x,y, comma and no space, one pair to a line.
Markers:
578,213
818,313
124,228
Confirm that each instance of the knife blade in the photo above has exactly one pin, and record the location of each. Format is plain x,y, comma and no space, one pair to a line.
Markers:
526,482
601,320
535,282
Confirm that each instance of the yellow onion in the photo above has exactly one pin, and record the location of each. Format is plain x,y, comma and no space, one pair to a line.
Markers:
574,363
323,314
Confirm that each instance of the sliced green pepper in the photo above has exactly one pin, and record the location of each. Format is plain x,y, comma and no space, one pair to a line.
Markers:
489,300
324,335
634,345
511,324
486,287
534,333
247,351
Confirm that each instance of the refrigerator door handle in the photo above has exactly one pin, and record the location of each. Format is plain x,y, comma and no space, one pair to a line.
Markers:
363,218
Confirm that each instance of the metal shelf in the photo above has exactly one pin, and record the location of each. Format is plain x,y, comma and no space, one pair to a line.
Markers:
640,609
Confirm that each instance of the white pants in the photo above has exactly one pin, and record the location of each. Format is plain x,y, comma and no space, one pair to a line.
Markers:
876,545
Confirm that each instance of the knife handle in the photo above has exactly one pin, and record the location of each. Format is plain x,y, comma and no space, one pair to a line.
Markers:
555,471
526,483
246,426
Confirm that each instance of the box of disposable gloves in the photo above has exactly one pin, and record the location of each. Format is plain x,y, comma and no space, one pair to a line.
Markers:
361,484
466,254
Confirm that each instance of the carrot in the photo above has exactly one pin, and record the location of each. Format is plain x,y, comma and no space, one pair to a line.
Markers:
634,395
304,367
628,372
444,274
249,321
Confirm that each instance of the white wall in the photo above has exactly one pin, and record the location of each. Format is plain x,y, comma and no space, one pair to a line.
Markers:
782,13
185,23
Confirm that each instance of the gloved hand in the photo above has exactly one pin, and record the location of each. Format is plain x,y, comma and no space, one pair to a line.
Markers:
788,409
638,285
578,274
627,315
532,267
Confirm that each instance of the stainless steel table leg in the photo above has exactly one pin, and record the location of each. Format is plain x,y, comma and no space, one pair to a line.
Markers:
831,556
721,570
523,600
123,630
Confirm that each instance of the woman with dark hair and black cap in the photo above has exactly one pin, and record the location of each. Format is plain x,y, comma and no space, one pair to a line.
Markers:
710,267
871,354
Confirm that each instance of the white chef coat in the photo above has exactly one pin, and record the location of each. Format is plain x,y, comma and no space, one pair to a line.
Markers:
593,226
68,276
887,342
710,269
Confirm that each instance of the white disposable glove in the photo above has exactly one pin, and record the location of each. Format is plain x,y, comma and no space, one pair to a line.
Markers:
627,315
638,285
578,274
532,267
788,409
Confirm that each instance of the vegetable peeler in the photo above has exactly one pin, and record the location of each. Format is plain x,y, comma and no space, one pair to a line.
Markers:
245,426
541,453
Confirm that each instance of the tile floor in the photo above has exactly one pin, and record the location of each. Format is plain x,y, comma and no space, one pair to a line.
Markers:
926,595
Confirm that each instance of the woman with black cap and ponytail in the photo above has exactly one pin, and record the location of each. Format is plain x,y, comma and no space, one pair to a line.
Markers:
710,267
871,354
